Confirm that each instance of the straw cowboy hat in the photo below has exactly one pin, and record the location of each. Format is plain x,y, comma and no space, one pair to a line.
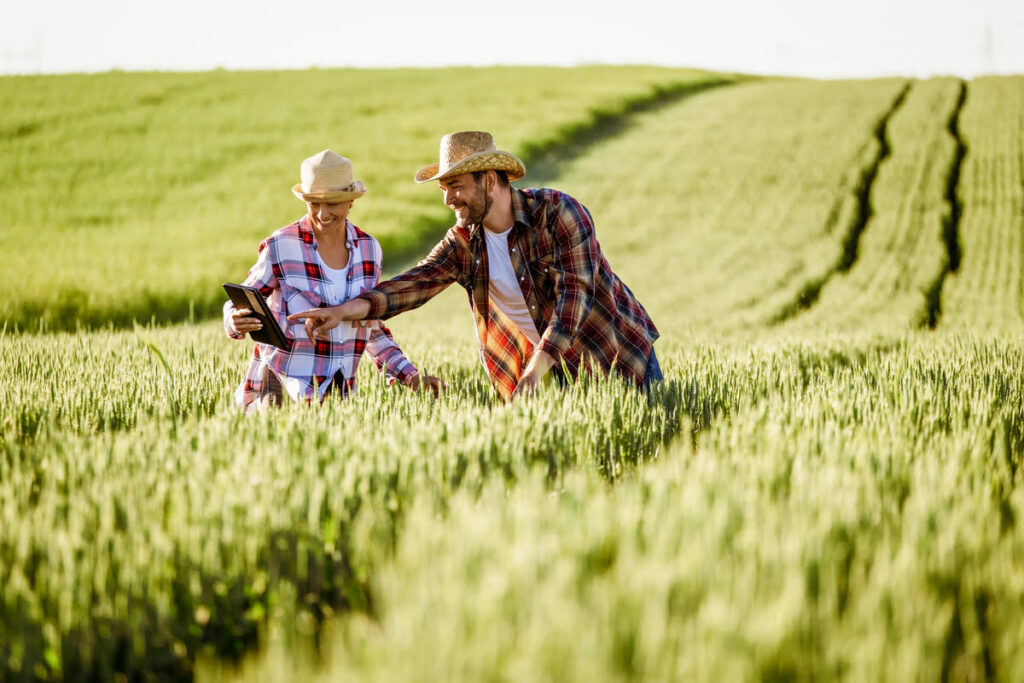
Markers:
327,177
470,151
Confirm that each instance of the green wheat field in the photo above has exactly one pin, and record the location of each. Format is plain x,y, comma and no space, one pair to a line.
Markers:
826,486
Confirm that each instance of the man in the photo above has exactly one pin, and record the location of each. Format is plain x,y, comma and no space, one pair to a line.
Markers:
539,287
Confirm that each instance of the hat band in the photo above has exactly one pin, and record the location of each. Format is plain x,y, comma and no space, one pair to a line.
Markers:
351,187
480,161
350,191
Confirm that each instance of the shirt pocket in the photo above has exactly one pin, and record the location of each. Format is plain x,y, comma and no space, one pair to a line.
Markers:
311,290
543,275
297,301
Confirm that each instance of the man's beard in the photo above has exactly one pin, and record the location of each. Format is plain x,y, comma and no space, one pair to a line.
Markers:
476,215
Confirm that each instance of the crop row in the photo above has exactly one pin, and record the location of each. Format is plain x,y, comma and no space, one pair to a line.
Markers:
987,291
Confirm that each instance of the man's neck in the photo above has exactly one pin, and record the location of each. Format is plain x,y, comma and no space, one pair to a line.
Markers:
500,217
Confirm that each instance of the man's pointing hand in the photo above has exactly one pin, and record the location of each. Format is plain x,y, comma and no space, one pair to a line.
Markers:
319,321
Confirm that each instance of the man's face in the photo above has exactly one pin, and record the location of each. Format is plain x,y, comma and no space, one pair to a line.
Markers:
467,198
329,216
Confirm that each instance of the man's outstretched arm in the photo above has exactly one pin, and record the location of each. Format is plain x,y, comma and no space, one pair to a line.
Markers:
319,321
413,288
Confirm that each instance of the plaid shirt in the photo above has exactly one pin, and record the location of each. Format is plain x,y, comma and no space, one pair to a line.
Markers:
587,317
289,274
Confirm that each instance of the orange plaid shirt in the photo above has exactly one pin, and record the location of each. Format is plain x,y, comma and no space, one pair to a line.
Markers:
586,316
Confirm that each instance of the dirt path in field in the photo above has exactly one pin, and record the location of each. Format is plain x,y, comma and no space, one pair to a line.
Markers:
808,296
951,230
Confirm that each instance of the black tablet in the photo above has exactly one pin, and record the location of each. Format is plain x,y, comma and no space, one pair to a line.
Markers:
244,296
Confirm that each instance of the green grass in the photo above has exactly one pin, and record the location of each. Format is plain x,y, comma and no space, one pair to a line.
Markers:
834,528
822,488
162,509
132,196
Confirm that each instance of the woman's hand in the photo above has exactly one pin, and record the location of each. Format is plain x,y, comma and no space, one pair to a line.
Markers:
242,323
428,382
319,321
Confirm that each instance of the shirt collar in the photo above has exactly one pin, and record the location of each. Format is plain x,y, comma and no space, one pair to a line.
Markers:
350,234
520,214
519,211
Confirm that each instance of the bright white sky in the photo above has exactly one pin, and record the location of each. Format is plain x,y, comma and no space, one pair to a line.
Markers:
801,37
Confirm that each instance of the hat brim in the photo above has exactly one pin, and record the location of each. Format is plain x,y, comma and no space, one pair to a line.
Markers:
481,161
342,196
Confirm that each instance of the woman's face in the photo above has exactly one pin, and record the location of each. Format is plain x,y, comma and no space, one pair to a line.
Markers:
329,216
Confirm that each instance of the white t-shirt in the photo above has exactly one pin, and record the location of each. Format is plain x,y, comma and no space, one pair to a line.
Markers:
337,281
504,289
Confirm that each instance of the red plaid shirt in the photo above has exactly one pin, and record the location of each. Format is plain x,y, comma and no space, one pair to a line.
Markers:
587,317
289,274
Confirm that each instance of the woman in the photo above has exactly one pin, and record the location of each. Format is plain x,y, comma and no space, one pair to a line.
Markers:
320,260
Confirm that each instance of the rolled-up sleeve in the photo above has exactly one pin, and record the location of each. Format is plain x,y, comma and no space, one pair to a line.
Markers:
575,265
388,357
261,276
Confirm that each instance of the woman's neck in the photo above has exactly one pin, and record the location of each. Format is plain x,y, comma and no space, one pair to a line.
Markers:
332,245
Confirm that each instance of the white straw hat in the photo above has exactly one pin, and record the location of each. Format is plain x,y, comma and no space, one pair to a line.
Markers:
327,177
470,151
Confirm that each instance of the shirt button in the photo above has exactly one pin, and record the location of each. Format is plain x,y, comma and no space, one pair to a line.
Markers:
513,250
